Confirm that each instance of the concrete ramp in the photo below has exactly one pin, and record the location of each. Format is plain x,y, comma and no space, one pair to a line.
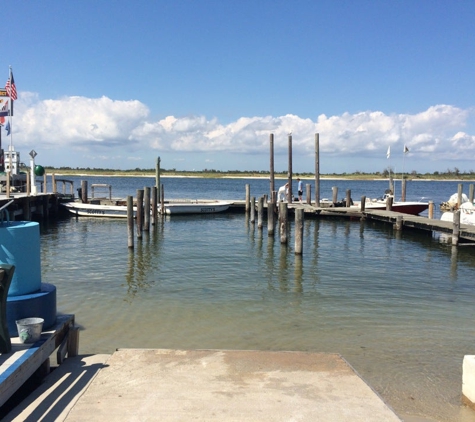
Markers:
225,385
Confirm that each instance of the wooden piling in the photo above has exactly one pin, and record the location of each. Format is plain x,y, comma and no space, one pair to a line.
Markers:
289,175
283,217
317,169
162,200
271,216
53,183
130,221
248,198
28,186
45,188
389,203
139,217
299,231
431,209
253,210
271,165
157,177
308,194
84,191
456,228
363,203
403,189
154,205
399,222
459,195
146,207
471,192
348,197
335,194
7,187
260,212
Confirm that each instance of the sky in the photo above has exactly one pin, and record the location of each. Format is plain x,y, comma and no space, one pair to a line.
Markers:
203,84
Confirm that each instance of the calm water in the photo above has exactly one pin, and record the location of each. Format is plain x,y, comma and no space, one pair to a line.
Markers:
397,306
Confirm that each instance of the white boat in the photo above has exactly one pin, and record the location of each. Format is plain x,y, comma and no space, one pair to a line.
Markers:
406,207
171,207
467,214
195,206
97,210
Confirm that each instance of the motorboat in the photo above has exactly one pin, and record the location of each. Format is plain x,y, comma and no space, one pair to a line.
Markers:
202,206
170,207
406,207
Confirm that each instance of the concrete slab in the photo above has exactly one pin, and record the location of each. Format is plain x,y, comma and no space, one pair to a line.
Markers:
53,400
224,385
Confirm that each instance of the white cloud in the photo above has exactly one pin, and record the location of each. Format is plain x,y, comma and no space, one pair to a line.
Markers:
73,127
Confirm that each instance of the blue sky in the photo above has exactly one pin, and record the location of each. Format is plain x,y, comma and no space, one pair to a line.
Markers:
203,84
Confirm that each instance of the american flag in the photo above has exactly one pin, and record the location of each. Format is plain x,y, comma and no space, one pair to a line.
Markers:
11,88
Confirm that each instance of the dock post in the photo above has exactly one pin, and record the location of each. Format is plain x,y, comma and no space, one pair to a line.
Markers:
348,197
308,194
139,213
253,209
84,191
317,169
271,166
283,216
130,221
335,194
431,209
403,189
154,205
157,176
7,187
398,224
45,188
363,203
162,201
271,216
146,207
299,231
248,197
289,175
27,209
53,183
470,192
459,195
389,203
456,228
260,212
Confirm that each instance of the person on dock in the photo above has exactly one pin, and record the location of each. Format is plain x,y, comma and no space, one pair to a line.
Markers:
283,192
300,189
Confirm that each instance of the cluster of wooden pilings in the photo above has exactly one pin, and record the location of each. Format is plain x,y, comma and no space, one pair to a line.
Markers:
282,212
147,199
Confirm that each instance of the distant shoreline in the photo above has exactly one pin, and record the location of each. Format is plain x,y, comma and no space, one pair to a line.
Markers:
177,176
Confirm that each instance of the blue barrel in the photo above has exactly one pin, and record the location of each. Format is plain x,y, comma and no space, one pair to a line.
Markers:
20,246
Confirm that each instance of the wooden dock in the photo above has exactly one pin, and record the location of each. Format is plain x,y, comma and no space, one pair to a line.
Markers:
25,359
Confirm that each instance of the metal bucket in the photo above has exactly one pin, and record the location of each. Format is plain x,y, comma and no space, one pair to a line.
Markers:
29,329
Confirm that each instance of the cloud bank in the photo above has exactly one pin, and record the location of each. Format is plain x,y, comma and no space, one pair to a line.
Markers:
82,128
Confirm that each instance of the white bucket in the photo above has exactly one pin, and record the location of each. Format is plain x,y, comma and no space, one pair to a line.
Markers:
29,329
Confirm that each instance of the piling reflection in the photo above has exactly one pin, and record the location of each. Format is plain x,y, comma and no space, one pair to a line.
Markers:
143,261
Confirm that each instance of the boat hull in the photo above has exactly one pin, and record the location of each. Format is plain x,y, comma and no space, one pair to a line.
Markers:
120,211
412,208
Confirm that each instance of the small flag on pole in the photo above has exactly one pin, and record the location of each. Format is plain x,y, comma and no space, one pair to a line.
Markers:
406,149
7,128
11,88
388,154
